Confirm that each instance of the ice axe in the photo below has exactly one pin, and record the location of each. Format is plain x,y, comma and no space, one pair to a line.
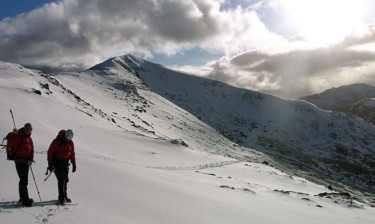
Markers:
50,173
14,123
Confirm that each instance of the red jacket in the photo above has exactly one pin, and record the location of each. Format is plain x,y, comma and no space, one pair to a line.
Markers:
25,146
61,149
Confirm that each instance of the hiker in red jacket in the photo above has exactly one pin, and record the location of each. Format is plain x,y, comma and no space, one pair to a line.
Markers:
22,147
60,152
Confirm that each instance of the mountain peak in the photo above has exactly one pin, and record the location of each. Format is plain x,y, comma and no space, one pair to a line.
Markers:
128,62
347,93
349,99
128,57
353,87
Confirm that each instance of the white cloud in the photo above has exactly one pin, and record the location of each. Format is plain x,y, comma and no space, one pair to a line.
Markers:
298,69
75,34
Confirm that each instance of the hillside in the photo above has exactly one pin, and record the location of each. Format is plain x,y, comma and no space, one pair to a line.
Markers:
330,144
352,99
142,159
365,109
342,97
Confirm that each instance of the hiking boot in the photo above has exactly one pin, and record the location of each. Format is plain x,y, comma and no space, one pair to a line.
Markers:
61,201
28,203
68,200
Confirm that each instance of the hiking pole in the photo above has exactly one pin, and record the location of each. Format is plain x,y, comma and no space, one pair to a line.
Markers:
35,183
14,123
14,129
48,175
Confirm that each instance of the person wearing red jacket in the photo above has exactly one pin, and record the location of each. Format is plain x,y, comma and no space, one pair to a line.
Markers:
60,152
22,147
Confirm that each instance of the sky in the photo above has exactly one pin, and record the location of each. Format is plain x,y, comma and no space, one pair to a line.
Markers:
287,48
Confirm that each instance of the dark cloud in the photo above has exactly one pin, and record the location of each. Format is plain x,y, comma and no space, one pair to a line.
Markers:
248,58
297,73
75,34
313,62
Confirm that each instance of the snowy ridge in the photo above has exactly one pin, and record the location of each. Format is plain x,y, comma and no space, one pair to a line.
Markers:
365,109
142,159
342,97
331,144
354,99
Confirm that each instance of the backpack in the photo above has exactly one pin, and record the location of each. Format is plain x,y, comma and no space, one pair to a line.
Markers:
61,138
11,153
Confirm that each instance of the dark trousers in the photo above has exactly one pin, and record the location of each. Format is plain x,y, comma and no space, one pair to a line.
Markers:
61,172
23,174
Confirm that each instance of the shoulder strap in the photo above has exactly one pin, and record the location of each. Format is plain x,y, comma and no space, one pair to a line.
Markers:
61,142
19,145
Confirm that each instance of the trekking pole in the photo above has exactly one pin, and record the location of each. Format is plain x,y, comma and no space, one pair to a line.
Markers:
35,183
48,175
14,123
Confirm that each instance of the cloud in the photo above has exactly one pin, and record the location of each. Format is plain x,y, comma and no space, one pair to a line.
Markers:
75,34
301,70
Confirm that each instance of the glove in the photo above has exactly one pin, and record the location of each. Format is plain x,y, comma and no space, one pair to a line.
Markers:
15,131
9,150
50,167
74,168
29,162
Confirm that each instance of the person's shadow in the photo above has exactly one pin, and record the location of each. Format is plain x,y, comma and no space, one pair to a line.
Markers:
7,205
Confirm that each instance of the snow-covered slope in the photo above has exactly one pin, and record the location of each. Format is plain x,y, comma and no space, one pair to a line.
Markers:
365,109
343,97
331,144
133,167
356,99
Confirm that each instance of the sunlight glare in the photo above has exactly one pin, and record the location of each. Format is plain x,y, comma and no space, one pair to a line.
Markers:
326,21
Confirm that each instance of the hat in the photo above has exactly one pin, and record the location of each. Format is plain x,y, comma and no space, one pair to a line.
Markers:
69,134
28,125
